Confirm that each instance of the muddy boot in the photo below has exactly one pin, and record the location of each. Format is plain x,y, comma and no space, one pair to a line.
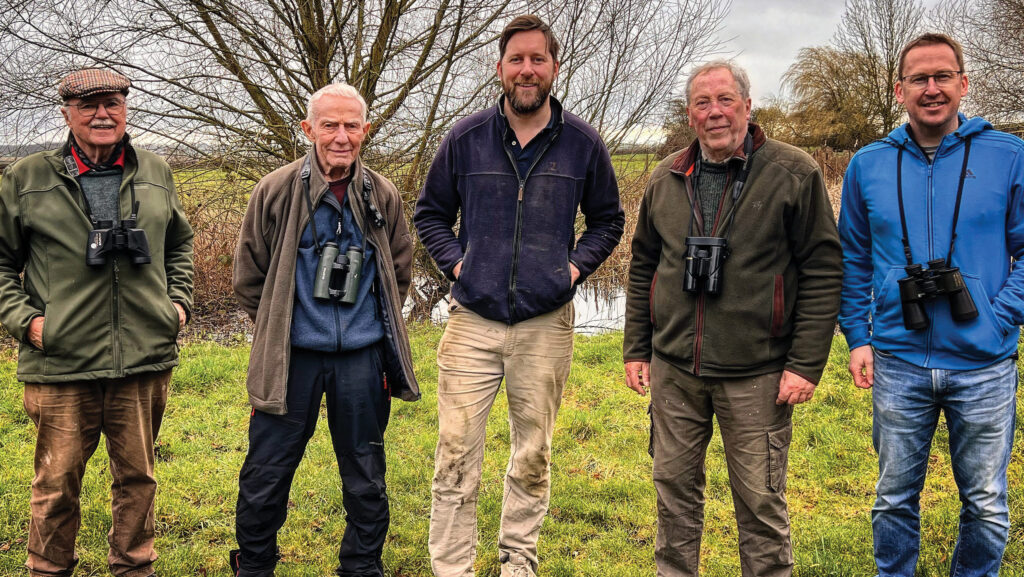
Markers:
515,565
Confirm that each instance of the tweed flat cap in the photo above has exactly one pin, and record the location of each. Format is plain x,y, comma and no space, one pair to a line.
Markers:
89,81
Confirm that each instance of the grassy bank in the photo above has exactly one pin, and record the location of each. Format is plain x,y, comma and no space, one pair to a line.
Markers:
602,520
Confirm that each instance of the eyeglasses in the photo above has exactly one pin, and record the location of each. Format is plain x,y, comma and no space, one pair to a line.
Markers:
89,109
943,78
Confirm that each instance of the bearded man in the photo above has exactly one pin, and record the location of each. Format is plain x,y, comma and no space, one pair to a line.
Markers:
517,173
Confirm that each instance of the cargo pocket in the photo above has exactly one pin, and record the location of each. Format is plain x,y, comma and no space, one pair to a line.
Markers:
650,433
778,452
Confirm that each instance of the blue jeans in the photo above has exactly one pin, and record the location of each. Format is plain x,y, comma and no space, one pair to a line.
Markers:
980,408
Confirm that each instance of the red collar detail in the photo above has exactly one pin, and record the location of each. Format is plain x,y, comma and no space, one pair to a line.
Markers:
83,168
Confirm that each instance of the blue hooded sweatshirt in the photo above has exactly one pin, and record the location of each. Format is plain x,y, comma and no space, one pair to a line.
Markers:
989,233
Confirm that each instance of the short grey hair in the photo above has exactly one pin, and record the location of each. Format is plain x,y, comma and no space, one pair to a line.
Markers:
335,89
738,74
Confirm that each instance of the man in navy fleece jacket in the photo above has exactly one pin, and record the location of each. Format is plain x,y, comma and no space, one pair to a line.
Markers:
517,174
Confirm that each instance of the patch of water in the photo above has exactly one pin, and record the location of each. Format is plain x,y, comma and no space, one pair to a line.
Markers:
594,314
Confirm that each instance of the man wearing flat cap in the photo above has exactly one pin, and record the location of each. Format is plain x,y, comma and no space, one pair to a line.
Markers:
96,282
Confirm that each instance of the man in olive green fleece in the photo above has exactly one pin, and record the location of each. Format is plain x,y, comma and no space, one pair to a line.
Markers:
98,232
731,304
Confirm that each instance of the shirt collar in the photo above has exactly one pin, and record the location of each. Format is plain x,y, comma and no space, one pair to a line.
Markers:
556,114
85,165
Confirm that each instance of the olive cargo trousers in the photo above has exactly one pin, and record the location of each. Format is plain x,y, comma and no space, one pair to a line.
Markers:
756,433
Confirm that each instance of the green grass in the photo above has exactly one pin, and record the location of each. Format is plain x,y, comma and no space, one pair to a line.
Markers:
602,519
634,165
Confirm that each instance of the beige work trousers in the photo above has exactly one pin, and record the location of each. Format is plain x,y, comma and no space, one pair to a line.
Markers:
756,433
533,356
69,418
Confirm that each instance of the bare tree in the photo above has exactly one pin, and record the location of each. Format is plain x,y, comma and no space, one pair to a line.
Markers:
877,30
775,119
234,74
992,35
225,82
833,105
844,92
676,126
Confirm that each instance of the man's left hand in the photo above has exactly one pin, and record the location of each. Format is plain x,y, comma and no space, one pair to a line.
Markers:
574,274
794,389
181,316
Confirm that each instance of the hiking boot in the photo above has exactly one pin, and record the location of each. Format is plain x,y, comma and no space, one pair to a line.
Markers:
515,565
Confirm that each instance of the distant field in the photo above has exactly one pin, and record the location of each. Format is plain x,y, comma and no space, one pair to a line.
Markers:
632,165
602,520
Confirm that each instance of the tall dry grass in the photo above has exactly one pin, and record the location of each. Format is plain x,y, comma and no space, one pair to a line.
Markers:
215,201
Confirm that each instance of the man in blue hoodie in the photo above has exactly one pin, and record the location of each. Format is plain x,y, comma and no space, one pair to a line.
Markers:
932,225
517,173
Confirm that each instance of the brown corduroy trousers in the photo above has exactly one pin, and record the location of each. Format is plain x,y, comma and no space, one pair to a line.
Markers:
69,419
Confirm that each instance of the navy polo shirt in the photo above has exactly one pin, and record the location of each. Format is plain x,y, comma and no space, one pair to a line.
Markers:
525,155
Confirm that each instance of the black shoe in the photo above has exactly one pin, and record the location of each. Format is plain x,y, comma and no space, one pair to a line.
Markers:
236,554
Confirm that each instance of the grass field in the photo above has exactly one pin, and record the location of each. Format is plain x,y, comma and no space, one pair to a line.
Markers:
602,519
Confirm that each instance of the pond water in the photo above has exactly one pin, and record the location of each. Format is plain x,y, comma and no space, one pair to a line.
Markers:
594,314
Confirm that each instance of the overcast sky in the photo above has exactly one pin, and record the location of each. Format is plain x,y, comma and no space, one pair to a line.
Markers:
765,35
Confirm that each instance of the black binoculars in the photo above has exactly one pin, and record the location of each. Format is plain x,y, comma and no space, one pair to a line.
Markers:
105,239
337,275
704,257
922,285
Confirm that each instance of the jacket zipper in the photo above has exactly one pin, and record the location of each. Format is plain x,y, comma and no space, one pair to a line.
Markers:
698,341
931,250
929,196
387,307
334,307
115,325
517,240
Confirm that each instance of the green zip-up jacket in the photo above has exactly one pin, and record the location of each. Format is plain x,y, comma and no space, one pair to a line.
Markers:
780,283
104,321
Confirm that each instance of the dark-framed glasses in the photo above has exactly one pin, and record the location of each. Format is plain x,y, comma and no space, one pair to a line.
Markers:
89,108
942,78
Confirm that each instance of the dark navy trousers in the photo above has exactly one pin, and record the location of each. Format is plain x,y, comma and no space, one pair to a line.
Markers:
358,407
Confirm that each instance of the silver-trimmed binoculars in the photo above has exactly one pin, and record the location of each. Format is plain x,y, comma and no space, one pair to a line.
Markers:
105,239
338,275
